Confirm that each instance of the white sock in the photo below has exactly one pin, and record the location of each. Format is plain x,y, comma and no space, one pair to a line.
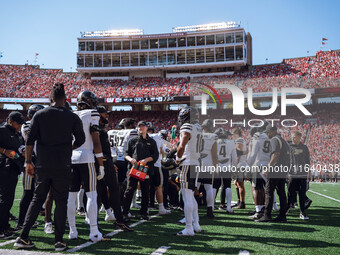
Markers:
258,208
188,197
228,195
80,198
92,210
195,210
139,192
210,195
161,206
134,199
274,198
71,210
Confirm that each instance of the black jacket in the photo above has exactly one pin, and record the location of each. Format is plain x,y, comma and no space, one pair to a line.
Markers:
139,148
11,140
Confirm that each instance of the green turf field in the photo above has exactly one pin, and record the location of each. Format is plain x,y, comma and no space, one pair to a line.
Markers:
226,234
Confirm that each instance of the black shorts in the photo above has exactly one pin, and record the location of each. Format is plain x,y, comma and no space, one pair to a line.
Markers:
258,182
83,174
186,180
122,170
157,178
28,182
219,181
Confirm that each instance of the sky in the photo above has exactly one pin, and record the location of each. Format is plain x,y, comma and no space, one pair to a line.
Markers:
280,29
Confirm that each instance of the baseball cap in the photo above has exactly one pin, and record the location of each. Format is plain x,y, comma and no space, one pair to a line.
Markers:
270,127
142,122
17,117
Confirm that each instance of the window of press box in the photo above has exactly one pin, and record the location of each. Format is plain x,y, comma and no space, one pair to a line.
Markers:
126,45
117,45
172,42
229,38
134,59
239,53
200,56
80,60
90,46
239,37
125,59
106,60
210,39
116,59
107,45
99,46
81,46
171,58
200,40
162,58
154,44
229,53
89,60
181,42
152,58
191,41
190,56
209,55
144,44
98,60
219,53
180,57
220,39
143,59
135,45
163,43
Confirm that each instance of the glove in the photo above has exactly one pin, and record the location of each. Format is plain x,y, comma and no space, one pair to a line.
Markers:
101,173
21,149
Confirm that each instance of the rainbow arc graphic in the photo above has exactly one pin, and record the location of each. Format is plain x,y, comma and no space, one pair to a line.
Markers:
210,94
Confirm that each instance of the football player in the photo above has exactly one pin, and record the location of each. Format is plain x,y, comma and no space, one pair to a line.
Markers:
227,157
188,153
208,158
83,169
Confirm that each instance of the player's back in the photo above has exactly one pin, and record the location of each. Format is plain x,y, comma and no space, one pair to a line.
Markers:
226,151
208,141
194,146
123,138
84,154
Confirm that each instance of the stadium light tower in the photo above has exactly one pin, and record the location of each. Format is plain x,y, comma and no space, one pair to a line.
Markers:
1,55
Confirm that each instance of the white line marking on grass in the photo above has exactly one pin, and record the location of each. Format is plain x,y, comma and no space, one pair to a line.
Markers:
7,242
87,244
161,250
22,252
325,196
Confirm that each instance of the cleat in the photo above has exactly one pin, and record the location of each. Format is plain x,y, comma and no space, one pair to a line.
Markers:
23,243
73,235
109,217
185,232
48,229
197,228
264,219
303,216
96,237
123,227
164,211
60,246
279,219
256,216
230,211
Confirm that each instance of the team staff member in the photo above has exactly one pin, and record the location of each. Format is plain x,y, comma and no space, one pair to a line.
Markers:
299,175
110,177
52,128
279,158
144,149
11,142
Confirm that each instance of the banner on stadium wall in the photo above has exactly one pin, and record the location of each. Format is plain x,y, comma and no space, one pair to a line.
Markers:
146,99
328,90
24,100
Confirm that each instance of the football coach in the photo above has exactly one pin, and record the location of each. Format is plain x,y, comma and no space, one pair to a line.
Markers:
53,128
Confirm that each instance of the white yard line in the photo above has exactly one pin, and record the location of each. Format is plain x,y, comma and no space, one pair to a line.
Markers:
7,242
23,252
87,244
324,196
161,250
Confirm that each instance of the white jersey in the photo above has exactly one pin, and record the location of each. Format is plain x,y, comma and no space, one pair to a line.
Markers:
122,140
24,129
226,151
112,134
160,146
84,154
260,151
194,146
208,141
243,158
